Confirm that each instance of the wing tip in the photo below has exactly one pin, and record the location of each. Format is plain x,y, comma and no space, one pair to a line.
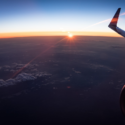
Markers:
114,20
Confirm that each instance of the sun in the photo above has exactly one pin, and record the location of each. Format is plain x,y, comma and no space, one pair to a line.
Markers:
70,35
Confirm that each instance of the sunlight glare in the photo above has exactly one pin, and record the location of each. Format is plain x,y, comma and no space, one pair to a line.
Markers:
70,35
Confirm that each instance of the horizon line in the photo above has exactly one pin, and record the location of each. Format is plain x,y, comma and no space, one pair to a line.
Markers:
57,33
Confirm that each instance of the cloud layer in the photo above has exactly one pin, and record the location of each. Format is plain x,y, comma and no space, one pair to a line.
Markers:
30,73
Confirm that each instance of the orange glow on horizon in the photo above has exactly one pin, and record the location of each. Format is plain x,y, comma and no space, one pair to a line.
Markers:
77,33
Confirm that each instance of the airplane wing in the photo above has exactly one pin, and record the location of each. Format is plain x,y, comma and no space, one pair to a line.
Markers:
113,23
113,26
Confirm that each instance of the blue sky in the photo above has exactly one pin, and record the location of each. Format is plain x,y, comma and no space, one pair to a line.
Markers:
58,15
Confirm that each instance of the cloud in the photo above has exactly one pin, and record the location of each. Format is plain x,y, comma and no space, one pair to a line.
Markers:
15,67
75,71
117,47
24,77
96,66
30,73
20,78
10,82
2,82
67,78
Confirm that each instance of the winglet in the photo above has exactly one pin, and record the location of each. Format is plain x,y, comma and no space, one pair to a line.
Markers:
115,19
113,24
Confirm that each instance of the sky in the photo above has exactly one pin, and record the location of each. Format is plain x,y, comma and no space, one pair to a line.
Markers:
58,15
